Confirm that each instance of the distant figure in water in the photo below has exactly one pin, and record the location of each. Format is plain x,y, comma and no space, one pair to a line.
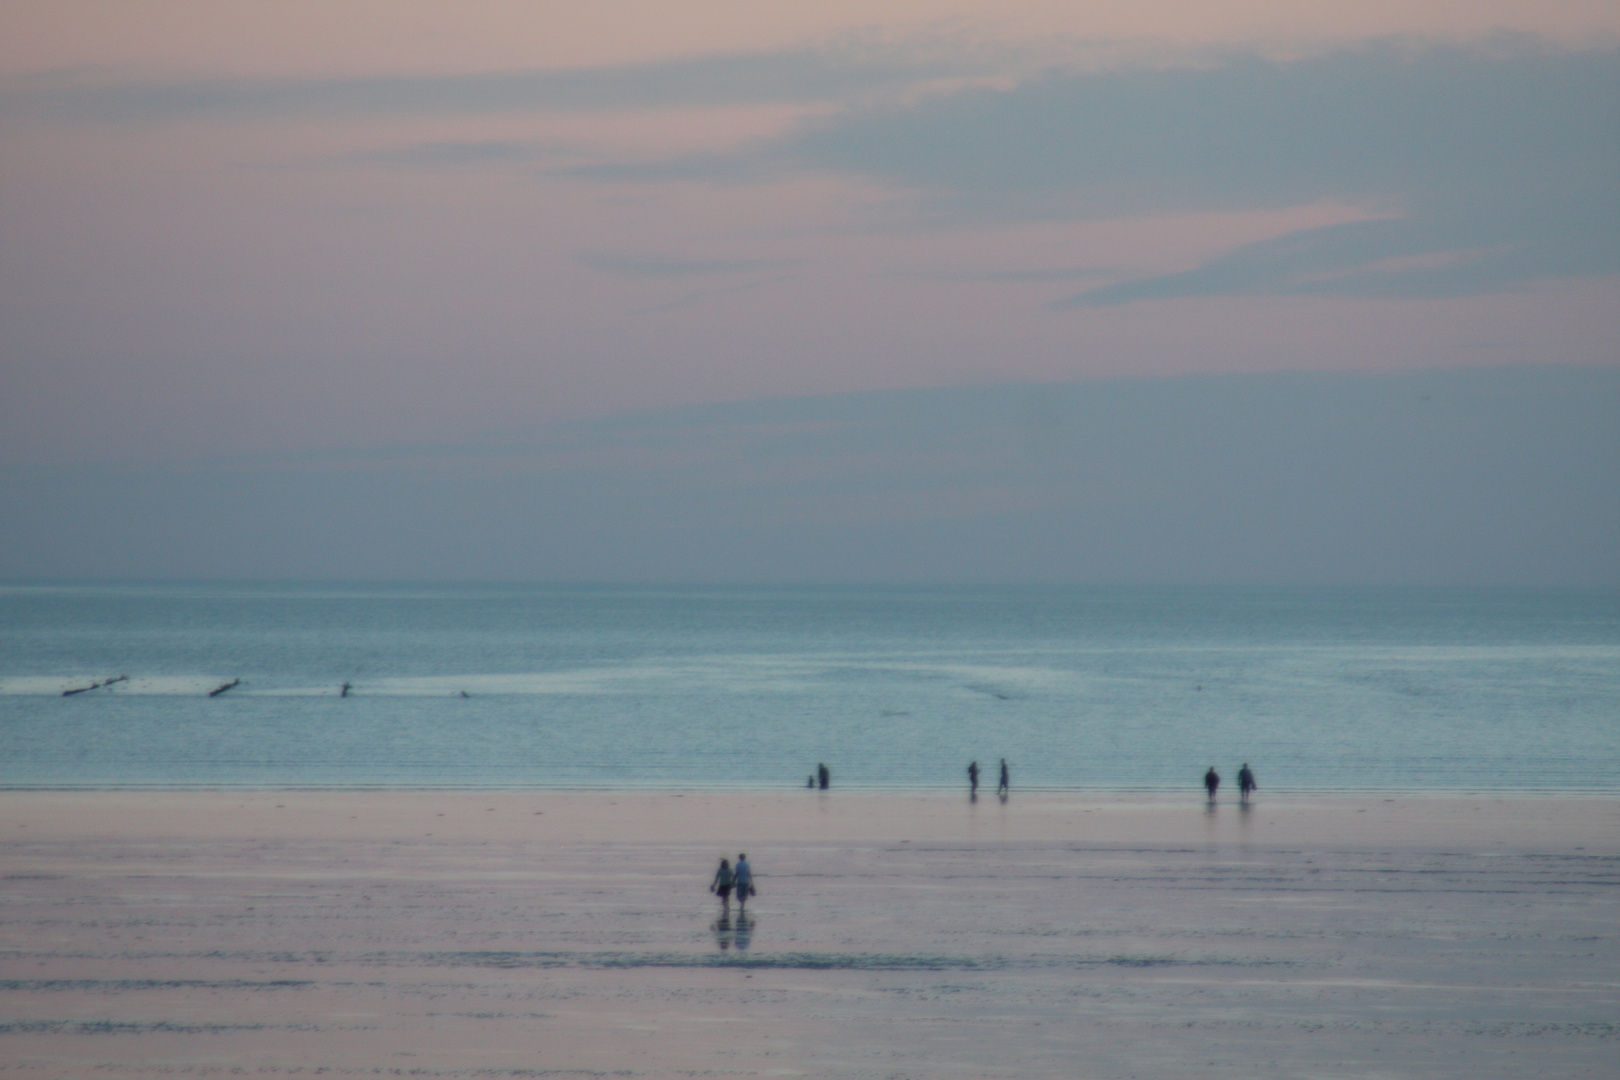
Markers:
1005,786
721,886
973,779
810,781
824,775
1212,782
1246,782
345,691
743,880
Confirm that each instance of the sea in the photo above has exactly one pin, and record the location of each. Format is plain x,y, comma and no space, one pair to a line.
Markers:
752,688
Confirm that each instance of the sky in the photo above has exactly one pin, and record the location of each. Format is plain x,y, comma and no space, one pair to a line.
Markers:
398,289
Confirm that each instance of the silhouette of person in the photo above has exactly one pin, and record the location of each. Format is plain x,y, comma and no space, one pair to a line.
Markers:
1004,787
973,779
1246,782
824,774
810,781
1212,781
721,885
742,879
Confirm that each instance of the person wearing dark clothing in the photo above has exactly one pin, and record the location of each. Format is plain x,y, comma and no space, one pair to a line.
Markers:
721,885
1212,781
1246,782
1004,786
973,779
824,774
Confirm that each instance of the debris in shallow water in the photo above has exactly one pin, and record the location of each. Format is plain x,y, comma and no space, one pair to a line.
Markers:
95,685
218,690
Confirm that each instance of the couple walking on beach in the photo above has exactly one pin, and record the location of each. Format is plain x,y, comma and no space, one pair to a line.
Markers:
1002,788
728,879
1246,782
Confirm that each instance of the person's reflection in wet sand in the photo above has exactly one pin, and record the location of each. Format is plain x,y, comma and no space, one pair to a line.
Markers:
722,932
745,932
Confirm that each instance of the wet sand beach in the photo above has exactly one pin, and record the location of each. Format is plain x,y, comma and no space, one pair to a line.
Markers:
477,934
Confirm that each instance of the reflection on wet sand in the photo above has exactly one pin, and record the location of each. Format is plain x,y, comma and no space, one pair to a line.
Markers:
728,931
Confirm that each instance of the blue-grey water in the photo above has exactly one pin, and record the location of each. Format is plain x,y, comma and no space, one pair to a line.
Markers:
705,688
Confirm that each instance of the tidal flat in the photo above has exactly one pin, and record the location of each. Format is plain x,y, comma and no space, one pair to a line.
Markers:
560,934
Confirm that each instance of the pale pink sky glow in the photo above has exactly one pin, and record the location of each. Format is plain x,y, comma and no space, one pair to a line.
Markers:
231,230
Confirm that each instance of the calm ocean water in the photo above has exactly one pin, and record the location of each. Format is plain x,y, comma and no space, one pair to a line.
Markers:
1122,689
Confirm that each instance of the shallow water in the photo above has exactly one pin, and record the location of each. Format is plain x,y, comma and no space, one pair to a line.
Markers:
750,688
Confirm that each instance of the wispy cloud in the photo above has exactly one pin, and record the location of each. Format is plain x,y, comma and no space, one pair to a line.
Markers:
793,76
1376,258
1487,166
1494,168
